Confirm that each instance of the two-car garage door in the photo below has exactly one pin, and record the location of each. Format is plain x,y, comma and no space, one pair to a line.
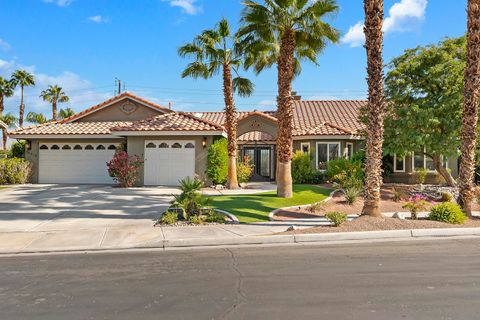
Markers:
75,162
167,162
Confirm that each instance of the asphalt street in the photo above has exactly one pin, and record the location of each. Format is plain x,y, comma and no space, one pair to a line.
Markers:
397,280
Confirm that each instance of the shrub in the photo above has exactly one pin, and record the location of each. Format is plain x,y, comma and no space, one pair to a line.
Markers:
215,217
190,200
302,169
194,219
351,194
18,149
317,177
336,217
15,171
448,212
415,204
315,207
124,169
217,162
169,217
446,197
345,173
397,195
244,169
420,175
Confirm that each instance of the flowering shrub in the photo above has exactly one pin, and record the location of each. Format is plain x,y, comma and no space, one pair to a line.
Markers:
415,204
244,169
124,168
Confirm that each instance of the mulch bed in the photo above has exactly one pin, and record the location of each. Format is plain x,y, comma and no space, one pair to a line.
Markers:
366,223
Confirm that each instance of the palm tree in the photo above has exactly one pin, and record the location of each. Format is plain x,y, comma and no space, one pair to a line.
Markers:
36,118
24,79
214,51
376,106
54,94
65,113
10,120
470,107
6,90
284,33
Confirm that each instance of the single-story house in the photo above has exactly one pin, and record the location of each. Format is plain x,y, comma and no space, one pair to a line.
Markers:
174,144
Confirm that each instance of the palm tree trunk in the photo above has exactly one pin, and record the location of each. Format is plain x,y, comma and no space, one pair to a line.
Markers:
22,109
2,107
437,162
231,126
4,138
54,110
285,68
376,103
470,107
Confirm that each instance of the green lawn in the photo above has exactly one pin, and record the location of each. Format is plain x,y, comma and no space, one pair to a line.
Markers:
256,207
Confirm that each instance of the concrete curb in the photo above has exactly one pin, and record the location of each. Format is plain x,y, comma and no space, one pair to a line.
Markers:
271,215
229,215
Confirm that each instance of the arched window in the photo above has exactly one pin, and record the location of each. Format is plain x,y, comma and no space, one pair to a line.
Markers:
151,145
66,147
43,147
77,147
100,147
89,147
163,145
189,146
112,147
54,147
176,145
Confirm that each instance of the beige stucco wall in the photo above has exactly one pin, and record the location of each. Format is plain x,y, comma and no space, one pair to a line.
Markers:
136,146
257,123
32,156
114,112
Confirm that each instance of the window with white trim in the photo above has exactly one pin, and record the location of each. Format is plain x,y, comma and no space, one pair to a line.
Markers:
398,163
305,147
349,150
326,151
421,161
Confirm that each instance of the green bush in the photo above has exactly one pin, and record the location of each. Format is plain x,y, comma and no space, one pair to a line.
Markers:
336,217
448,212
446,197
217,168
169,217
196,219
351,194
302,169
18,149
317,177
191,201
15,171
244,170
420,175
215,217
345,173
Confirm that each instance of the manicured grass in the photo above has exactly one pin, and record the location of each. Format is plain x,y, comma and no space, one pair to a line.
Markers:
256,207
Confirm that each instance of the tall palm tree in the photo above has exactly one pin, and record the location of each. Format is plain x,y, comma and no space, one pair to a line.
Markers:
470,107
6,90
36,118
54,94
65,113
10,120
214,51
376,105
24,79
284,33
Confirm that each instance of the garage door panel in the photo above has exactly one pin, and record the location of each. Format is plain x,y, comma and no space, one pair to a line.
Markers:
167,166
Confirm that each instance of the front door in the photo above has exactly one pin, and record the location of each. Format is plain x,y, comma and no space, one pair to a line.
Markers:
261,158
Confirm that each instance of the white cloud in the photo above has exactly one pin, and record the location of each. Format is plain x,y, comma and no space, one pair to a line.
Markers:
4,45
60,3
188,6
402,17
82,92
99,19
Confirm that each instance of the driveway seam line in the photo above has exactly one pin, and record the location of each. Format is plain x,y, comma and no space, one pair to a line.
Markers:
103,236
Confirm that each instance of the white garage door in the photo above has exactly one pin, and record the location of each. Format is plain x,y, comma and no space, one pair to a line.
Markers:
168,162
75,162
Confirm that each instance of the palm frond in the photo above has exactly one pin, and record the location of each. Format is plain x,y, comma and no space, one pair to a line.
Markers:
36,118
243,86
196,70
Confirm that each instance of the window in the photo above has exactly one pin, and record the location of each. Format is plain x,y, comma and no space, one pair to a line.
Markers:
327,151
112,147
77,147
54,147
66,147
43,147
398,163
89,147
163,145
422,161
189,146
305,147
100,147
349,150
176,145
151,145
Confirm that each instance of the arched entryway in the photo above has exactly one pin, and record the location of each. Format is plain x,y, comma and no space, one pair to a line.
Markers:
257,135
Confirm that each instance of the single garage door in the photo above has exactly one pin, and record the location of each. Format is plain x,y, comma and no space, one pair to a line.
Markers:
167,162
83,163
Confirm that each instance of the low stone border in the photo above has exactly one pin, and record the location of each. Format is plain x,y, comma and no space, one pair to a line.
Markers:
271,215
229,215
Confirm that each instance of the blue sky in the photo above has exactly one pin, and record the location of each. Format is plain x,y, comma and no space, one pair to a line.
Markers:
83,45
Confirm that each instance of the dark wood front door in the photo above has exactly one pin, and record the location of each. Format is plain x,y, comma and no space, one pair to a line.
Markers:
261,158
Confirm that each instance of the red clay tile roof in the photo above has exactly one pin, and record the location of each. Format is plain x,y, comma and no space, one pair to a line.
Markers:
255,136
174,121
219,116
257,113
113,100
73,128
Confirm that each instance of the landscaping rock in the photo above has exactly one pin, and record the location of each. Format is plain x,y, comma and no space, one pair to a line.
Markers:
434,192
399,215
292,228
